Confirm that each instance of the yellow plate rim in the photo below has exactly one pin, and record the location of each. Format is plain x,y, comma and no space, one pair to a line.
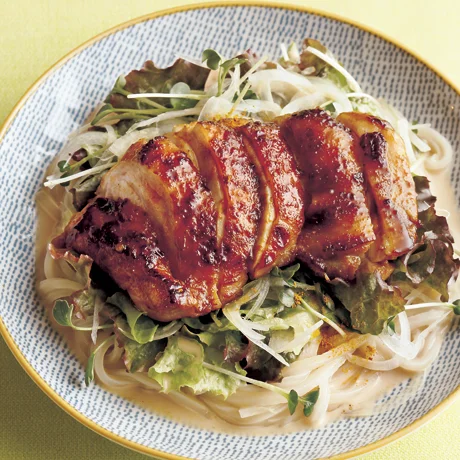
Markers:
228,3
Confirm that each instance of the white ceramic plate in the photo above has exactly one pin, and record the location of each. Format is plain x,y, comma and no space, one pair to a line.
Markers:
60,102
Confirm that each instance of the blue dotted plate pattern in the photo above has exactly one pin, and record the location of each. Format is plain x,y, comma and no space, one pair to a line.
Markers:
66,98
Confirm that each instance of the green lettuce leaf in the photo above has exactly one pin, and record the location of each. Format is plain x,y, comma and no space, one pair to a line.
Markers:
308,60
260,365
141,327
370,302
84,191
151,79
431,262
82,301
140,357
181,365
235,348
286,274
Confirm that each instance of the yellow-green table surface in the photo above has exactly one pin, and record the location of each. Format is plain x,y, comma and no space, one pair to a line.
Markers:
36,33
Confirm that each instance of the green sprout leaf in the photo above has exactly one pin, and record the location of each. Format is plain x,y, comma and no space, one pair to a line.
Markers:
329,108
63,166
293,400
391,323
224,68
212,58
62,313
227,65
89,370
309,401
182,103
456,308
215,62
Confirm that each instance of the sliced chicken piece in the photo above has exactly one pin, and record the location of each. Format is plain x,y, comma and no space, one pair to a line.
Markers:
390,182
121,239
220,153
338,229
161,179
280,193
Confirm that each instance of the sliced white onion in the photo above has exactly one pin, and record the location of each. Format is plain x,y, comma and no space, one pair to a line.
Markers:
284,52
419,126
442,152
264,288
419,143
256,106
165,116
232,314
331,91
402,127
122,144
280,75
264,91
234,86
98,304
169,330
88,138
215,107
324,318
299,341
293,53
304,103
400,345
426,318
111,134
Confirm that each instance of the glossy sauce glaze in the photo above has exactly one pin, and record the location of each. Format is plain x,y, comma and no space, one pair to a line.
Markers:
225,166
280,193
338,229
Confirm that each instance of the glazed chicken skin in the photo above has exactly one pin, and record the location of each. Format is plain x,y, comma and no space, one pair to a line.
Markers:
338,229
390,184
123,240
183,220
219,153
